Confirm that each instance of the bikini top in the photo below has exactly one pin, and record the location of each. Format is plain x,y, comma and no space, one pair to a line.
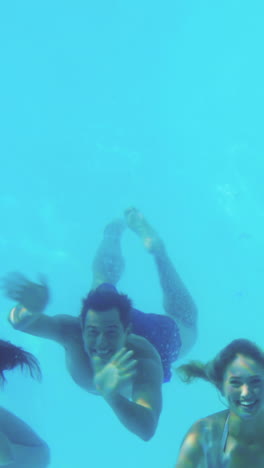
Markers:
225,434
217,459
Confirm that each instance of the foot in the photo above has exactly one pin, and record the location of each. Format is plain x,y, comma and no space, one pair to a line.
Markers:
115,228
108,263
137,222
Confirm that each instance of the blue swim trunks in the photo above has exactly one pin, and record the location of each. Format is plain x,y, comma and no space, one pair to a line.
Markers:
162,332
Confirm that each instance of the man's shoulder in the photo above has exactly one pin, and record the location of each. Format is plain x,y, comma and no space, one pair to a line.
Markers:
142,348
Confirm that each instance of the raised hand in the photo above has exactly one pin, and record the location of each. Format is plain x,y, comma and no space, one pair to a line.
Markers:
32,296
110,377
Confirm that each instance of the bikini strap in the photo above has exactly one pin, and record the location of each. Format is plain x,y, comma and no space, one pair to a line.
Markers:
225,434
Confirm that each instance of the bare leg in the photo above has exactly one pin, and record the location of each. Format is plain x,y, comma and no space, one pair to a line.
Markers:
108,264
177,301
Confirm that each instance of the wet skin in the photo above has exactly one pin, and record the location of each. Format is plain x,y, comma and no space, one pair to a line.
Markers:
243,388
104,358
103,334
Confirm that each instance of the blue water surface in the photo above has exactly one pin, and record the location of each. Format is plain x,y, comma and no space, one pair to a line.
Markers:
109,104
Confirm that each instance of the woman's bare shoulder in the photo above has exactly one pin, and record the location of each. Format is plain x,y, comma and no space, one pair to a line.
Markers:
202,441
212,420
210,426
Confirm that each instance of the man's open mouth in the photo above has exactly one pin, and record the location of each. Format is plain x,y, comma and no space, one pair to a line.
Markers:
103,354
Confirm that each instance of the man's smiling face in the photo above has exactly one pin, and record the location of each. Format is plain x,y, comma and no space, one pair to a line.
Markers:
103,334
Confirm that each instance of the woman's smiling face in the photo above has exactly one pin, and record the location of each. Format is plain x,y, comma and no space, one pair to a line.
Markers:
243,386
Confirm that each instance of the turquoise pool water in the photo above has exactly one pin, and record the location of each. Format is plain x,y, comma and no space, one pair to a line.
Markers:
110,104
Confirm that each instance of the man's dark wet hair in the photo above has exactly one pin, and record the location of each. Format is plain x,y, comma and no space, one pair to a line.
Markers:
213,371
102,299
12,356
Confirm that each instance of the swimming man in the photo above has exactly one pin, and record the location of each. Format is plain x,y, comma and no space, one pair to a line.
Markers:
113,350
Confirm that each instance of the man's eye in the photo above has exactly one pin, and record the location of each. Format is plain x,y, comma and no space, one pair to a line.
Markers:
256,381
235,383
91,332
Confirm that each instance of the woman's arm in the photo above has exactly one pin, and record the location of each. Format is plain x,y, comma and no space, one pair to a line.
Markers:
20,446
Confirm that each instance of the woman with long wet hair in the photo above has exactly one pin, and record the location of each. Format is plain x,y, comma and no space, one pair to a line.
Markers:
232,438
20,446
